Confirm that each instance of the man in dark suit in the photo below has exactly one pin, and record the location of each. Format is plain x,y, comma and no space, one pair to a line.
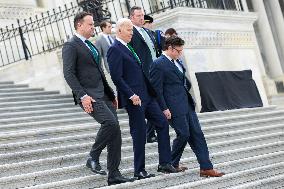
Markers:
144,45
169,81
83,73
137,96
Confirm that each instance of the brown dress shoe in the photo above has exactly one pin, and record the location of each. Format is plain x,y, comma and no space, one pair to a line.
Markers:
181,168
210,173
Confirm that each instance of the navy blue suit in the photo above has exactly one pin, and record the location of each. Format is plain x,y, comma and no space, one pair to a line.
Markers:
142,50
172,88
129,78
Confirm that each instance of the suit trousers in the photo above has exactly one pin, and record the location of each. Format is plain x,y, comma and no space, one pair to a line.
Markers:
137,114
109,135
188,130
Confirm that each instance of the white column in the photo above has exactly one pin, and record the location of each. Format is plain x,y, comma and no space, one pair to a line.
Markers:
245,6
269,47
278,20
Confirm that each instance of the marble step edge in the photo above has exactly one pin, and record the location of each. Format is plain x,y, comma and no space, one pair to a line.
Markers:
81,138
54,152
157,179
59,160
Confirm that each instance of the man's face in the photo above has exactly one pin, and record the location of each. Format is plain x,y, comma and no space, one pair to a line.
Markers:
86,28
137,18
176,51
108,28
125,33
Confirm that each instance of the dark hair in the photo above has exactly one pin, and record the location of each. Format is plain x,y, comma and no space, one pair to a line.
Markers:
103,24
79,17
173,41
132,9
170,31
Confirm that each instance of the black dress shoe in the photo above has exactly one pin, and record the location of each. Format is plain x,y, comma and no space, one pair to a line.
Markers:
119,179
95,167
168,168
152,139
143,175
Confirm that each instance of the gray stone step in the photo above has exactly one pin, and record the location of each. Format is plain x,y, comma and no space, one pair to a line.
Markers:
80,159
236,112
58,174
19,132
6,82
241,177
226,144
161,181
45,121
40,112
37,102
276,181
27,93
20,90
32,107
35,98
12,86
76,134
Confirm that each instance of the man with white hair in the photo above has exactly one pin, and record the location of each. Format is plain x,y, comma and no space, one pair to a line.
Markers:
136,94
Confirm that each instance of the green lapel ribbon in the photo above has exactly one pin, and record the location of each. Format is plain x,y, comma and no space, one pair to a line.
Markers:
134,53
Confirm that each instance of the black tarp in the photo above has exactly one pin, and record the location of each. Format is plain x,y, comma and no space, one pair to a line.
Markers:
225,90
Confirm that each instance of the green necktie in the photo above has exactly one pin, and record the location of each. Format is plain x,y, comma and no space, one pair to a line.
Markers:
134,53
94,51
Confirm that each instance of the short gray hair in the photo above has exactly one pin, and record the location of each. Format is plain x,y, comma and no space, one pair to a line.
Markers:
121,23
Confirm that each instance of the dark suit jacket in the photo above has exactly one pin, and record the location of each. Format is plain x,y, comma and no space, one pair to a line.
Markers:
127,74
141,48
82,73
172,86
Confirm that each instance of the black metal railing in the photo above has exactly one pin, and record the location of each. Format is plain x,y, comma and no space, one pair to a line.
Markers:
51,29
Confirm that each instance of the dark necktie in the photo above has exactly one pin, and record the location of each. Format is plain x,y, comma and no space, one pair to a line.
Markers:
109,39
134,53
94,51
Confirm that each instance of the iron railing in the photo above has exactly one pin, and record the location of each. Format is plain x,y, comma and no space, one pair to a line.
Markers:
51,29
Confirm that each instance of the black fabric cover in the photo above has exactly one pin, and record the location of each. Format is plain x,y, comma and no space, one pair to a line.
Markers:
225,90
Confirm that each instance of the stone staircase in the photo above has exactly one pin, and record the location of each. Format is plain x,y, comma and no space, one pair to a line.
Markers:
45,140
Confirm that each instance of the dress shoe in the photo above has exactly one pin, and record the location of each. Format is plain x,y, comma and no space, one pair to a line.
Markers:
152,139
181,168
95,166
119,179
143,175
168,168
210,173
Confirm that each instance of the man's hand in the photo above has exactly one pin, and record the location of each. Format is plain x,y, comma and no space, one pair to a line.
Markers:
115,103
87,104
136,100
167,113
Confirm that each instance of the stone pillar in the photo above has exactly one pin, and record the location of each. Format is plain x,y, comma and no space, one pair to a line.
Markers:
245,6
278,20
270,51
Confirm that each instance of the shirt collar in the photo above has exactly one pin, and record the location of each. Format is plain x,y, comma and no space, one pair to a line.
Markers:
80,37
138,28
167,56
121,41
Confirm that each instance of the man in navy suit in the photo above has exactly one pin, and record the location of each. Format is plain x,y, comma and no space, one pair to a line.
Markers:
137,96
172,87
143,39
